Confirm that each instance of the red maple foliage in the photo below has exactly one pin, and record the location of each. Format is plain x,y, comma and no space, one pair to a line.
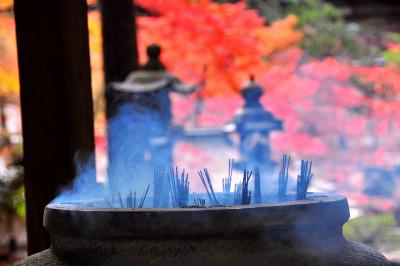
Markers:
223,43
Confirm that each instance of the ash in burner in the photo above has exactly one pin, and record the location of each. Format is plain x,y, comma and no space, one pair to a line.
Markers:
130,200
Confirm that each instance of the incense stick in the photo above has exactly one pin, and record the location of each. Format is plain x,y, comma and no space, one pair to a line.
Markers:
257,186
159,175
237,196
210,186
143,197
283,177
129,200
120,200
226,182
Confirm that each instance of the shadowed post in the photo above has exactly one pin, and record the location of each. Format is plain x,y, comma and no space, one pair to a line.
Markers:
119,43
56,101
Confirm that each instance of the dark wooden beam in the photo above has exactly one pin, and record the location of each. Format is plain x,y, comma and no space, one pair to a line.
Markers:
56,100
119,44
119,39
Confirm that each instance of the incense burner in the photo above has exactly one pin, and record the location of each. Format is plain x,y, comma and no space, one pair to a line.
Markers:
303,232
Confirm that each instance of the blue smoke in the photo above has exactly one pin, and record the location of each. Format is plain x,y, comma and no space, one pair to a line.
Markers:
139,141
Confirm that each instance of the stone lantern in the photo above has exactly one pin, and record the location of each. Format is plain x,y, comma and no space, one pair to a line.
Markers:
254,125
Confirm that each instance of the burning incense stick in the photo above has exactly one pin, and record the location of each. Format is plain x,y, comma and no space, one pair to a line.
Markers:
121,203
159,175
226,182
172,185
303,180
205,178
143,197
183,191
284,176
257,186
129,200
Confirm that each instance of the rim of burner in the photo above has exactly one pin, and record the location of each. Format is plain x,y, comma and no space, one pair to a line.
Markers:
86,205
105,223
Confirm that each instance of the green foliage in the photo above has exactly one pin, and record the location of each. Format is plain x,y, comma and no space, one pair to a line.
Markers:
18,202
12,197
378,231
13,201
395,37
326,32
356,229
392,57
313,11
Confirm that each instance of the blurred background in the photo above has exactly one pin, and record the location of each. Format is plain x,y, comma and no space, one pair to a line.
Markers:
330,71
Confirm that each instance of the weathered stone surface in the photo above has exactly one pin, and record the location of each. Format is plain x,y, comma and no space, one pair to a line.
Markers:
297,233
351,254
46,257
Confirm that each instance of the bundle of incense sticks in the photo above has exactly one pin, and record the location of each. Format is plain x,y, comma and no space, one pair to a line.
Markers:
206,180
246,193
303,180
179,187
131,200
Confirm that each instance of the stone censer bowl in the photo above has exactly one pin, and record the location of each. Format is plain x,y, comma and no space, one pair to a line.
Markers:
306,232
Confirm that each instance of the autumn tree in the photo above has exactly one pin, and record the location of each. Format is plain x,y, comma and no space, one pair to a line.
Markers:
224,42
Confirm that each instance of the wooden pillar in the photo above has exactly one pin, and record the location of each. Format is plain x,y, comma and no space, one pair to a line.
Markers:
119,44
119,39
56,100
